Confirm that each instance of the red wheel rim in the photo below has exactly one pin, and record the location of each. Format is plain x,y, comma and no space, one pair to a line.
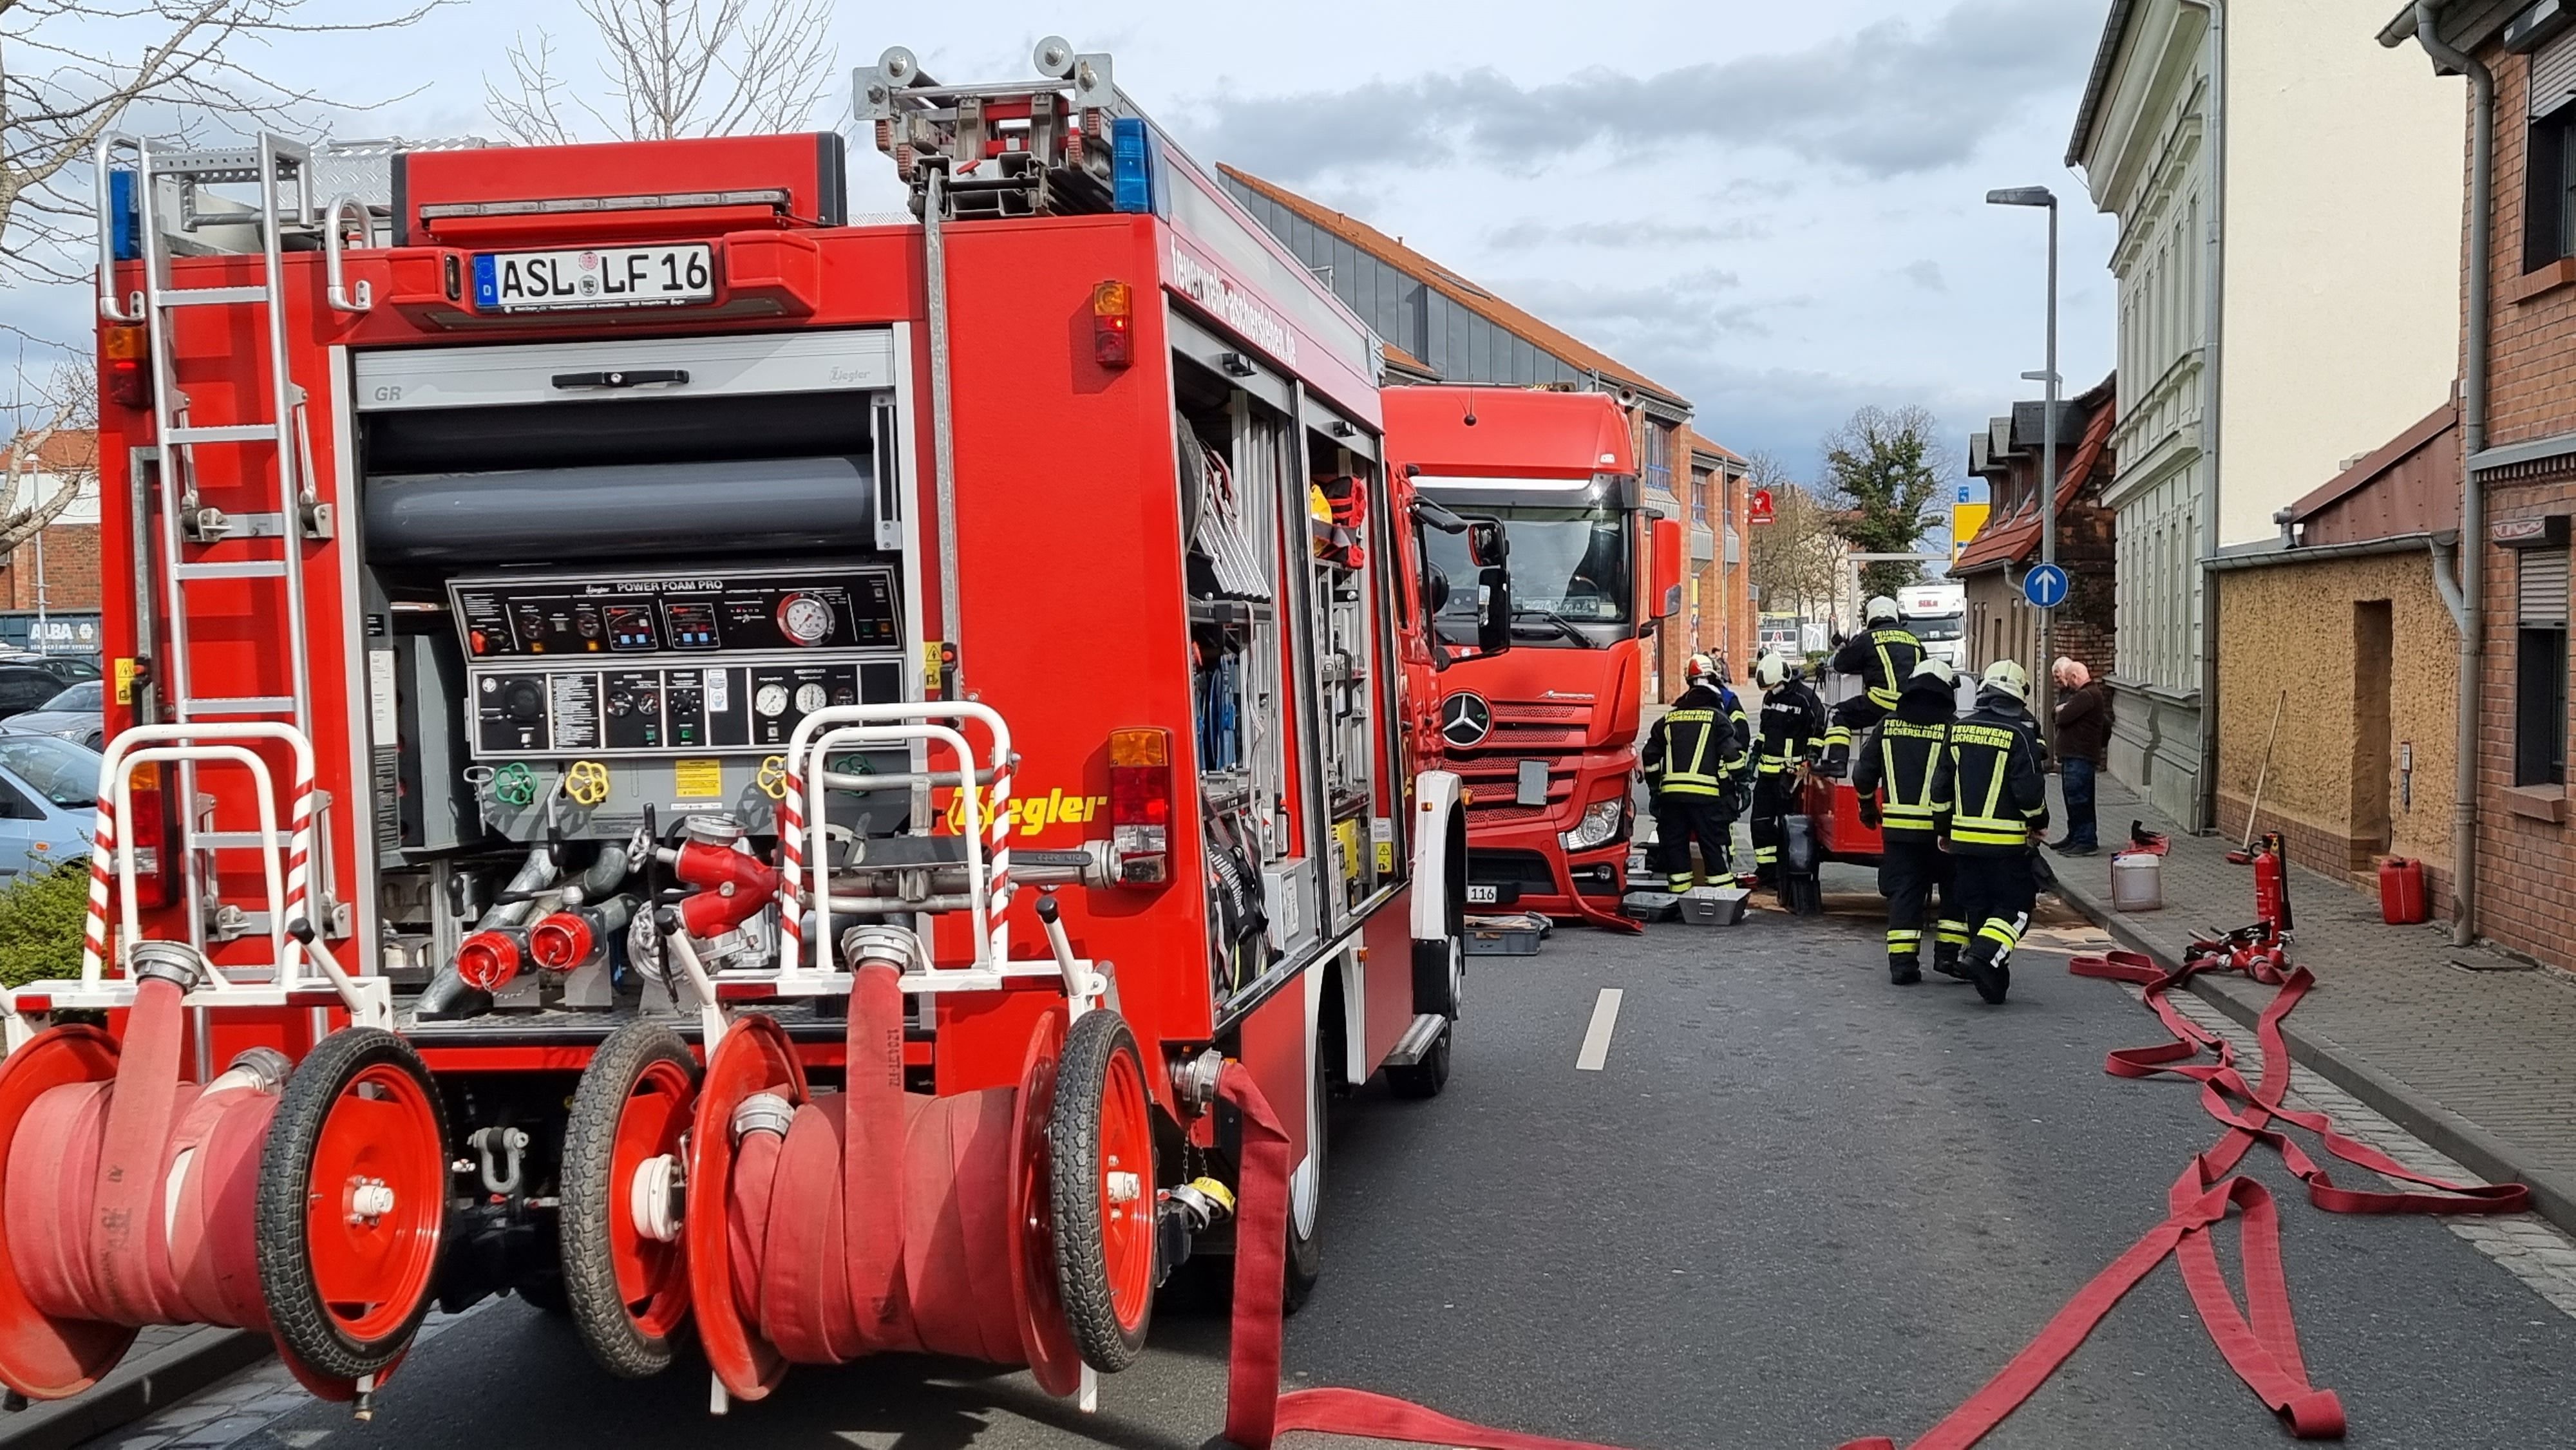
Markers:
652,1276
372,1258
42,1357
321,1386
754,1057
1127,1228
1054,1359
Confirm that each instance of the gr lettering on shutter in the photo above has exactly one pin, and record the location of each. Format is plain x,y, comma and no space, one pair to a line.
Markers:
2541,588
2553,75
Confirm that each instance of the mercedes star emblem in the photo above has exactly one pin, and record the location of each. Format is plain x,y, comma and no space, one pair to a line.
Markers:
1465,719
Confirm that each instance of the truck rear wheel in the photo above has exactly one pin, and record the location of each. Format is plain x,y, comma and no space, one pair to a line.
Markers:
1306,1238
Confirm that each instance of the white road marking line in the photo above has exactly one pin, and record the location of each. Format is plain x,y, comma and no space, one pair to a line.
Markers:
1596,1038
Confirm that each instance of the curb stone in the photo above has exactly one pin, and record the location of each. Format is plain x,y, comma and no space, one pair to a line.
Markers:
148,1382
2553,1197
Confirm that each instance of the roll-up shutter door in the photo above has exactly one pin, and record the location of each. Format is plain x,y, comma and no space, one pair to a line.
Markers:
2553,75
2542,587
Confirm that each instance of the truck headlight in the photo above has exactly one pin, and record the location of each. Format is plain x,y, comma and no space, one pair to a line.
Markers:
1599,826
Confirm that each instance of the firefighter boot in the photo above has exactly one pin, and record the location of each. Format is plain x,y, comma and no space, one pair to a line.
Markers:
1988,970
1836,762
1951,940
1904,956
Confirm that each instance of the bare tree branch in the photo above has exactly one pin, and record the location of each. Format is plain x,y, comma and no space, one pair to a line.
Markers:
66,403
676,68
71,70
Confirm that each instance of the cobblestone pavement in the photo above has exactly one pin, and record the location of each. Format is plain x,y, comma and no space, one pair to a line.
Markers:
2464,1046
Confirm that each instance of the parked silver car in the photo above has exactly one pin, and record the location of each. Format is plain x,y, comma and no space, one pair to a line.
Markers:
48,794
78,713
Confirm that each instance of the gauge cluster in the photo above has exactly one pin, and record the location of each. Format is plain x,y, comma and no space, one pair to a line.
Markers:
723,661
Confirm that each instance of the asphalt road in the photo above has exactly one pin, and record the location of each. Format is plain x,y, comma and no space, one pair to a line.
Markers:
1793,1206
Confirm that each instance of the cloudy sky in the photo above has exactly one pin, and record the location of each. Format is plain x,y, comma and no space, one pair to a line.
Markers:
1774,210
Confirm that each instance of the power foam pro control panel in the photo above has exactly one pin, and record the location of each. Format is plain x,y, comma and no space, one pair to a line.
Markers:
718,662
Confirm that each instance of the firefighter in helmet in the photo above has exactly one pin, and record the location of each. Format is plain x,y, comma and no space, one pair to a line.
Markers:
1884,655
1792,720
1992,781
1901,758
1692,759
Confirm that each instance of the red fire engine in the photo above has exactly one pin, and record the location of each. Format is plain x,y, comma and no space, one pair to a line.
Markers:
1545,737
684,754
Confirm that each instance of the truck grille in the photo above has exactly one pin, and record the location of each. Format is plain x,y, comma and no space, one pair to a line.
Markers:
1493,789
1538,725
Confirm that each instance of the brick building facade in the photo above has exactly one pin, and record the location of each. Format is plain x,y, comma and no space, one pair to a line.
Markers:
2523,892
2008,456
68,579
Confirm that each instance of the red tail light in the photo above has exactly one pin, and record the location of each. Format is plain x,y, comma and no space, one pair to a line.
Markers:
125,365
1113,324
562,941
155,823
1140,805
490,960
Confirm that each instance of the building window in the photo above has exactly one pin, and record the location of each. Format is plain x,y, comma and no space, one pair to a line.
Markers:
1699,499
2549,171
2540,669
1659,456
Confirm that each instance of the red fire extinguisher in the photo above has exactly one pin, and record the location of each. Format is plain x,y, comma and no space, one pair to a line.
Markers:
2272,884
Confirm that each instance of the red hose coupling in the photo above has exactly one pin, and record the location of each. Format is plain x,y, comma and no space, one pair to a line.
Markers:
491,959
732,888
565,939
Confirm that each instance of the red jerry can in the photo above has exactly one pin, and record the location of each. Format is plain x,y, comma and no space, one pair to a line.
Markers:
2401,891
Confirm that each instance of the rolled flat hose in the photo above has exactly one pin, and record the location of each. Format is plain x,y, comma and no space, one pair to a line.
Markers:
537,515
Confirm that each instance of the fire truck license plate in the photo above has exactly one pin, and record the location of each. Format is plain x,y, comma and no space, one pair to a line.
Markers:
594,277
1481,895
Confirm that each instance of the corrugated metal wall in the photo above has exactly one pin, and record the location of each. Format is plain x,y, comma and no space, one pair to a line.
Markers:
1458,344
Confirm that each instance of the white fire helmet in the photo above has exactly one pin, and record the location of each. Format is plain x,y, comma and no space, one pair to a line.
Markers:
1770,672
2007,678
1882,610
1934,667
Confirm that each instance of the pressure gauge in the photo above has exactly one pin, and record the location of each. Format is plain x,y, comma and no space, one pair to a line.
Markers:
771,700
810,698
805,619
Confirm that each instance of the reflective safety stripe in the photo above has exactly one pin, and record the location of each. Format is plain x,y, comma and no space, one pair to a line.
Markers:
1899,937
1773,764
1766,855
1953,933
1884,696
2005,934
1680,883
1689,785
1977,836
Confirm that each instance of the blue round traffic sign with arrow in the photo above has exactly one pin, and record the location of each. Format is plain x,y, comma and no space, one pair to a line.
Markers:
2044,586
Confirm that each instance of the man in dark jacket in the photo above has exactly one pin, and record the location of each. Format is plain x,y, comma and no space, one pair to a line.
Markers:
1884,656
1902,758
2082,737
1792,718
1991,779
1692,758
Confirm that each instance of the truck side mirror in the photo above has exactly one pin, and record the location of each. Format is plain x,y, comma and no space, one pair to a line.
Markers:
1665,552
1494,615
1486,544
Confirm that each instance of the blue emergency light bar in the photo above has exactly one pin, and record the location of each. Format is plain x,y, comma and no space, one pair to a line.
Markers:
1131,164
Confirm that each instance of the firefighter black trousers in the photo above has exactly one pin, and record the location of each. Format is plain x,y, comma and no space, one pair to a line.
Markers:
1911,867
1771,802
1995,897
1681,819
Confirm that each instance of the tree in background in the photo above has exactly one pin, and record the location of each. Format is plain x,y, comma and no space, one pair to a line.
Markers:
63,412
676,68
70,70
1879,468
1797,557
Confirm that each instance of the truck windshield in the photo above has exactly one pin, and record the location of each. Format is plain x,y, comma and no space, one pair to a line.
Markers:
1931,627
1570,576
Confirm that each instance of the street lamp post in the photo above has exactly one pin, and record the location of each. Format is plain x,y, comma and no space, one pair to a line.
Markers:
2044,675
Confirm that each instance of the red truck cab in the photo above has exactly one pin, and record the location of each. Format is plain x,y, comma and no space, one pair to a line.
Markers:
1544,735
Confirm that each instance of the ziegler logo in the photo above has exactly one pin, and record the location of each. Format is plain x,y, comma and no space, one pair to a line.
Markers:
1031,814
1465,719
1237,309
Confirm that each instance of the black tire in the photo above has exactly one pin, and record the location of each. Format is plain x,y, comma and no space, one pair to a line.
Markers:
589,1287
302,1322
1426,1078
1074,1150
1306,1250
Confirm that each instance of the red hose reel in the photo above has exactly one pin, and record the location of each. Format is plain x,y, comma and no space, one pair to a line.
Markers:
1013,1225
307,1205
